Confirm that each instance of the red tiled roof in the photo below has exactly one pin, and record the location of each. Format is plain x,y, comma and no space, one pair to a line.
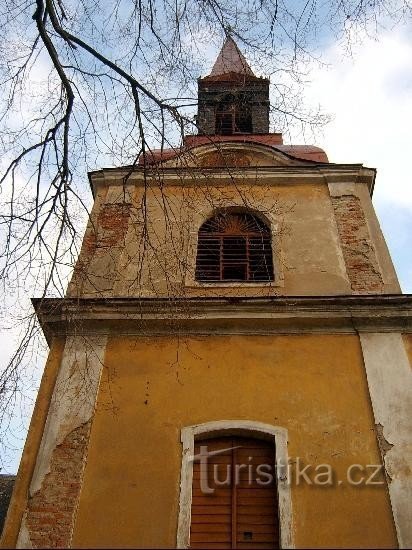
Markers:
301,152
304,152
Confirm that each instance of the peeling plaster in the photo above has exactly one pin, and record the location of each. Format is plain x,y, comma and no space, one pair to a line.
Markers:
23,540
390,387
51,511
384,444
72,405
358,251
74,397
387,271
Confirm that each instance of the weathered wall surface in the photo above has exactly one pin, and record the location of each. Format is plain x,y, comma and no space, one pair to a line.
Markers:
390,384
368,263
312,385
50,511
156,255
34,437
407,340
55,485
141,240
358,250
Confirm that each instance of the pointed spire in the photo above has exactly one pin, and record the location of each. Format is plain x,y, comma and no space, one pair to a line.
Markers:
231,60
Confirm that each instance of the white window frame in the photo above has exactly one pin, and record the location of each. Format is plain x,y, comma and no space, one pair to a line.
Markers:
247,428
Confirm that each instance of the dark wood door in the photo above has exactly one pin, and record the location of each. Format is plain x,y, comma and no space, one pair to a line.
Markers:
234,501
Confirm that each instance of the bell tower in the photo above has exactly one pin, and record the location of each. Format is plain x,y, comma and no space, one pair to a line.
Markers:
232,100
231,365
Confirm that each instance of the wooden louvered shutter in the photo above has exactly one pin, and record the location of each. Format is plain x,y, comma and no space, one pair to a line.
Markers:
234,247
241,513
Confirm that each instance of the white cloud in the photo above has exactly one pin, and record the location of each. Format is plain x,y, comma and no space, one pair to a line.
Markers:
370,98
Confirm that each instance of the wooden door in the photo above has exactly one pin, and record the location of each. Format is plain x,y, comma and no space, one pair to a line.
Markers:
234,499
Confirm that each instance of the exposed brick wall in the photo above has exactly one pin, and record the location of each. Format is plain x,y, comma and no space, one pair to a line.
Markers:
111,227
51,511
112,224
106,235
358,251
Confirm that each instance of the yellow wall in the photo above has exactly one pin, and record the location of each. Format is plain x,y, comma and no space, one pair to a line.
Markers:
313,385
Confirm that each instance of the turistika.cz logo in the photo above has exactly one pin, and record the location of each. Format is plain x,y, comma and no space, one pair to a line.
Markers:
294,472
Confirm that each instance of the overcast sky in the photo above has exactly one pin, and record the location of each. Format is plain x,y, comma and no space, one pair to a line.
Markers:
370,98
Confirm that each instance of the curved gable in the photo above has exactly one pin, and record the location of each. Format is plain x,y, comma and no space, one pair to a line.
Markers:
232,154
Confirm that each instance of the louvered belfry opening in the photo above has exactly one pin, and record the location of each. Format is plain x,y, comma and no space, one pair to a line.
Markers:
234,247
233,116
242,510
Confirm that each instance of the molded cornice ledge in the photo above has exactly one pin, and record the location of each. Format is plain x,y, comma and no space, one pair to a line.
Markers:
241,315
270,175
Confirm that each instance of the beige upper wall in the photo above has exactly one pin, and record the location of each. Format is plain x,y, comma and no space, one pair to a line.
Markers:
143,242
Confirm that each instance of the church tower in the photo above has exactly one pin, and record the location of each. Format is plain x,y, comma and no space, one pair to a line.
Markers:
231,366
232,100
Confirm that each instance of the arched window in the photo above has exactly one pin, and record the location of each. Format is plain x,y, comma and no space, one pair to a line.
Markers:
233,116
234,247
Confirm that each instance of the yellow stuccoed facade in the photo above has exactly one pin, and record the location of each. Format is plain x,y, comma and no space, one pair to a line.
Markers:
313,385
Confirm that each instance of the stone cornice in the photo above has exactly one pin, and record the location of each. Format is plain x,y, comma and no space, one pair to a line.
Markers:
284,315
174,176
